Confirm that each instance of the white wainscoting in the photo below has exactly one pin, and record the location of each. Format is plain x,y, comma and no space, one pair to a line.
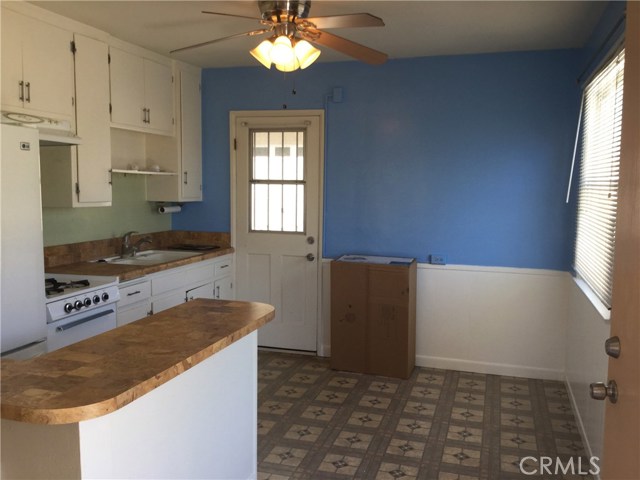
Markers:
507,321
504,321
586,362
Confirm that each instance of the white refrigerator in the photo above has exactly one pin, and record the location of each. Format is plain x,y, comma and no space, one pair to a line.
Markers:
23,324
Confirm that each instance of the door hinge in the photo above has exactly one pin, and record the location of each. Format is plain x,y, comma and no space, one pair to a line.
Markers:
235,144
77,188
73,47
110,109
109,58
73,102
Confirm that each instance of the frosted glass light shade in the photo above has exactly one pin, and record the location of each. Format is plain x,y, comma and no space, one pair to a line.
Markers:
288,67
262,53
306,53
282,51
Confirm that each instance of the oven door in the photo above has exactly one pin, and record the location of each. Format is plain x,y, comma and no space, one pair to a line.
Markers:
81,326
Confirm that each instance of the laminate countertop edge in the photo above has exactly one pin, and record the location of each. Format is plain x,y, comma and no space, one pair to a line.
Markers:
107,372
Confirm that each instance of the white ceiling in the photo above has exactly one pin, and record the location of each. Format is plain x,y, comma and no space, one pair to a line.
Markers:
413,28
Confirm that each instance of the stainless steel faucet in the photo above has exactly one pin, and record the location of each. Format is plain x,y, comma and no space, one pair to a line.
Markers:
128,249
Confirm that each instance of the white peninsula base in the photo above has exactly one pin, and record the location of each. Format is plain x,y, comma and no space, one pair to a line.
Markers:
202,424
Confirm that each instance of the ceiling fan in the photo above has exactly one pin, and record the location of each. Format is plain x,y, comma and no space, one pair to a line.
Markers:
292,30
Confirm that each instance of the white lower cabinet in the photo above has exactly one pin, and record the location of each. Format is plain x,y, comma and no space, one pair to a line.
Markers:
169,288
135,301
203,291
223,278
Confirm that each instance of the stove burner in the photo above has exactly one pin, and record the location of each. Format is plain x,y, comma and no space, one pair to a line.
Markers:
54,286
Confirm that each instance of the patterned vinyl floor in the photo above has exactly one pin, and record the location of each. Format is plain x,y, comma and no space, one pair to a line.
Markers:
317,423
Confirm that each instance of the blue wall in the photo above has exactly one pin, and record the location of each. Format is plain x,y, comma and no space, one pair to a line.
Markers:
466,156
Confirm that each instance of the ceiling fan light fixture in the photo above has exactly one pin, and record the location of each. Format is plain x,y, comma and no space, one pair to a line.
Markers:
282,51
262,53
305,53
288,67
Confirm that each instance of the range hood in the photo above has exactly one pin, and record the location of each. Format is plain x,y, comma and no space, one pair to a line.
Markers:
51,131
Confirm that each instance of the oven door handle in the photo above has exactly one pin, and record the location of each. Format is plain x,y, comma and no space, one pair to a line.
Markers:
70,325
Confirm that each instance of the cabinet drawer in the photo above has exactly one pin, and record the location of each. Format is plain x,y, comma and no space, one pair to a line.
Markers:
223,267
181,277
134,293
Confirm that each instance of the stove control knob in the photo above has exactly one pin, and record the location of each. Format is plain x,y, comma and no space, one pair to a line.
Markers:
68,307
87,302
105,296
96,299
78,304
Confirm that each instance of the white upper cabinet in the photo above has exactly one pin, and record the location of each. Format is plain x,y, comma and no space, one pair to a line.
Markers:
79,176
37,67
92,110
182,154
141,93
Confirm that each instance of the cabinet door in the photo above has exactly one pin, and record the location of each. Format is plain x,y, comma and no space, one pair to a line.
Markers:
191,136
39,56
203,291
11,44
223,288
92,109
158,82
48,68
127,88
168,300
134,312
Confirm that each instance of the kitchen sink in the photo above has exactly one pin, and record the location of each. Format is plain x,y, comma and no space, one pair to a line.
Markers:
151,257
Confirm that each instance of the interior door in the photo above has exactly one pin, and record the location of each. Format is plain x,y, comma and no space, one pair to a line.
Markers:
277,163
622,419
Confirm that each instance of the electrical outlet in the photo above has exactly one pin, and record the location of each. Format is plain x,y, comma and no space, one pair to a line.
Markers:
437,259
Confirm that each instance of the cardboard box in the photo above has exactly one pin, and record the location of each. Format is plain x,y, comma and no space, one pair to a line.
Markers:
373,315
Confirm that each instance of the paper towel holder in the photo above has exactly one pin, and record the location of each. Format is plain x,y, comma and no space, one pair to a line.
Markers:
165,208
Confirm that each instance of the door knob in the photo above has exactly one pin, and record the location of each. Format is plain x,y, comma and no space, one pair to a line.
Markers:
311,257
600,391
612,347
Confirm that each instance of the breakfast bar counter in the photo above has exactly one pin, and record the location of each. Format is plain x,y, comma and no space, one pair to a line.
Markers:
173,395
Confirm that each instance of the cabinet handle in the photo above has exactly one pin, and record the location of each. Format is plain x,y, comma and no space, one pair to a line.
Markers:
218,291
145,112
130,294
28,88
21,94
148,115
186,181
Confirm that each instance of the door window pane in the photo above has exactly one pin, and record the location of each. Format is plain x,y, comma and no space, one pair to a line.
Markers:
277,181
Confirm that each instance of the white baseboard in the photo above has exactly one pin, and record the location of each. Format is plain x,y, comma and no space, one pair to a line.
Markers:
578,417
489,368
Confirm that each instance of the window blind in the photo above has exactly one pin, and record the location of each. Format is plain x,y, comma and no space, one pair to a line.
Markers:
599,174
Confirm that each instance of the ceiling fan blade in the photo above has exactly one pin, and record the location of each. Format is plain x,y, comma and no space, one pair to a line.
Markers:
345,21
342,45
245,34
231,15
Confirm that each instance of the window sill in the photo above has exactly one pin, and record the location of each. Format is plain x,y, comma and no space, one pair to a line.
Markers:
600,307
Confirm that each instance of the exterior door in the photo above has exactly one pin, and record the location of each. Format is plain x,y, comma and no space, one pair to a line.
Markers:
622,419
276,231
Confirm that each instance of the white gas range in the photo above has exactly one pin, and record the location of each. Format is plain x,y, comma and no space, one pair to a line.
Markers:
79,307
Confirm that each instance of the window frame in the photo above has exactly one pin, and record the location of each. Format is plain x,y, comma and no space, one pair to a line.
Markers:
594,246
282,182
